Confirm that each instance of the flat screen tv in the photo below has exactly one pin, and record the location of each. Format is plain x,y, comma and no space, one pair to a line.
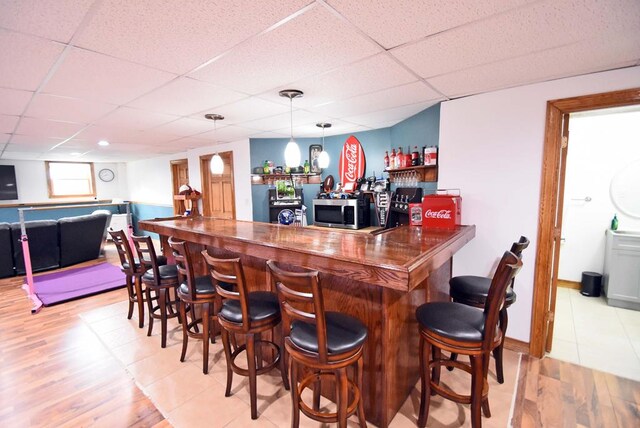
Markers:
8,184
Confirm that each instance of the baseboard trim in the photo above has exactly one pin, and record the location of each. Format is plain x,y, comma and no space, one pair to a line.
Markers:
516,345
569,284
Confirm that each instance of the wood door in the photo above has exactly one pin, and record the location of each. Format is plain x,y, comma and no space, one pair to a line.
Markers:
550,205
179,176
218,197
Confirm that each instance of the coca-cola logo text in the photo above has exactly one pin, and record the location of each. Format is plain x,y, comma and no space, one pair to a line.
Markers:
351,155
438,214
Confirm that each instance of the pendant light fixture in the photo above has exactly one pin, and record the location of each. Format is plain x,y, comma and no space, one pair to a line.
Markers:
216,165
323,157
292,151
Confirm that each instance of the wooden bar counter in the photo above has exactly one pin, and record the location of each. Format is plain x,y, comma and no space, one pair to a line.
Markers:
380,279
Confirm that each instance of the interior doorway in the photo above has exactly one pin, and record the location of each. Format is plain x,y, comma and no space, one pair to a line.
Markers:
218,196
551,206
179,177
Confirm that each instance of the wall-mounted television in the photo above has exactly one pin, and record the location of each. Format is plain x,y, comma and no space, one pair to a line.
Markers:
8,183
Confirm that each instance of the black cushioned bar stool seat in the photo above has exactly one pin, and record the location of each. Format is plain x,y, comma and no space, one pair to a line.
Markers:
166,272
344,333
162,260
262,306
452,320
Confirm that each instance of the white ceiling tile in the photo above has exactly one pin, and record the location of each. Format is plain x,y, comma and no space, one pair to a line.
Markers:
112,135
309,44
227,134
283,120
369,75
13,101
47,128
519,32
575,59
310,130
250,109
67,109
129,147
91,76
187,143
4,138
186,126
51,19
394,22
26,60
386,99
46,142
185,96
178,35
8,123
131,118
388,117
269,134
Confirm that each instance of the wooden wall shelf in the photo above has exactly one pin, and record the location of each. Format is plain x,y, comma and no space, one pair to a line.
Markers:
426,173
272,178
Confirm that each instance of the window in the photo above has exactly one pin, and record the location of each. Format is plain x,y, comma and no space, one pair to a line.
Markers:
67,179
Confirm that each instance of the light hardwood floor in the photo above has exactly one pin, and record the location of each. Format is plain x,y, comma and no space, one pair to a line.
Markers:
83,363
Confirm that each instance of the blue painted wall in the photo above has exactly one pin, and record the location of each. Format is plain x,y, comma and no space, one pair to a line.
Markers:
422,129
10,214
141,211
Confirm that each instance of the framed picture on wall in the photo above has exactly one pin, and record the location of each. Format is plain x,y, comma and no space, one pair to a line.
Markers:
314,152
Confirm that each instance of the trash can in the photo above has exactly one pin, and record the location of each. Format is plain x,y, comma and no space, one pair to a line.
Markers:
591,284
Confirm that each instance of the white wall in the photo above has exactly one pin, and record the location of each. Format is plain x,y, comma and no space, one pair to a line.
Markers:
599,146
31,178
491,148
150,180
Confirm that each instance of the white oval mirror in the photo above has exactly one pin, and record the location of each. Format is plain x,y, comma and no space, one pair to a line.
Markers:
625,189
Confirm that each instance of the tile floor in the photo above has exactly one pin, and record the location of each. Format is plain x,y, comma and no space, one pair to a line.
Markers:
593,334
188,398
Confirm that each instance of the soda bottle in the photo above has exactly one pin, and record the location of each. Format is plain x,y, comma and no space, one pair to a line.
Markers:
386,160
400,158
306,167
392,159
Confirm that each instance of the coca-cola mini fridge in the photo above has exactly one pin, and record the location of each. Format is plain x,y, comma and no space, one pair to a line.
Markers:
442,210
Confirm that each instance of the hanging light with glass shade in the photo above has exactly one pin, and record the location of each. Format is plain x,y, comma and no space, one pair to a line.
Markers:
292,154
323,157
216,165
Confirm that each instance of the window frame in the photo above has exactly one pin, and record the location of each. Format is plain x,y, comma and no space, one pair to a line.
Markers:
50,181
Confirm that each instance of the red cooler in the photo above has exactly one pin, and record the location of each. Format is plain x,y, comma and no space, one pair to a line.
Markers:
442,210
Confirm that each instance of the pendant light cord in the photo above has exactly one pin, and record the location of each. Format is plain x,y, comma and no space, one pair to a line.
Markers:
291,110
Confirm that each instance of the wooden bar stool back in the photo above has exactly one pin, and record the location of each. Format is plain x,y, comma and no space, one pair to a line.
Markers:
462,329
326,343
159,280
132,272
473,291
195,291
248,314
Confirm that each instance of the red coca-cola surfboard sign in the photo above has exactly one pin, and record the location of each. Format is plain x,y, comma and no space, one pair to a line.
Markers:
352,163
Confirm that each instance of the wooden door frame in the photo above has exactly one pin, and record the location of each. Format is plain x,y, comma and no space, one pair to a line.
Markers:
177,205
549,198
205,176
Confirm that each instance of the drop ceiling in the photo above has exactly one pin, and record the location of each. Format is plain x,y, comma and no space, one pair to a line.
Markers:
142,74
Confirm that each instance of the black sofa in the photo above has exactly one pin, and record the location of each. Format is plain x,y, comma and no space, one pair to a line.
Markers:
54,244
6,251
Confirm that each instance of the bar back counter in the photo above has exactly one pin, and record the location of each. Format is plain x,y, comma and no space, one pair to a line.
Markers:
380,279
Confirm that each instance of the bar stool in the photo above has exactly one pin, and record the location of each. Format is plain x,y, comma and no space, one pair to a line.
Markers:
159,279
132,271
249,314
464,330
473,291
324,342
195,291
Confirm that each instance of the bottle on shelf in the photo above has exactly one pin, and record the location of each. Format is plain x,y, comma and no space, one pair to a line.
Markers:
399,158
266,168
306,167
415,156
392,159
386,160
407,157
614,222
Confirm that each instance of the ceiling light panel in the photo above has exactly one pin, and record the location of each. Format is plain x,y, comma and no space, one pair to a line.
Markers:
13,101
51,19
394,22
91,76
67,109
176,35
311,43
519,32
131,118
386,99
47,128
26,60
185,96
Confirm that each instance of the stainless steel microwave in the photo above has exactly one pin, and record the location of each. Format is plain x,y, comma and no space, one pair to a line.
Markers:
341,213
